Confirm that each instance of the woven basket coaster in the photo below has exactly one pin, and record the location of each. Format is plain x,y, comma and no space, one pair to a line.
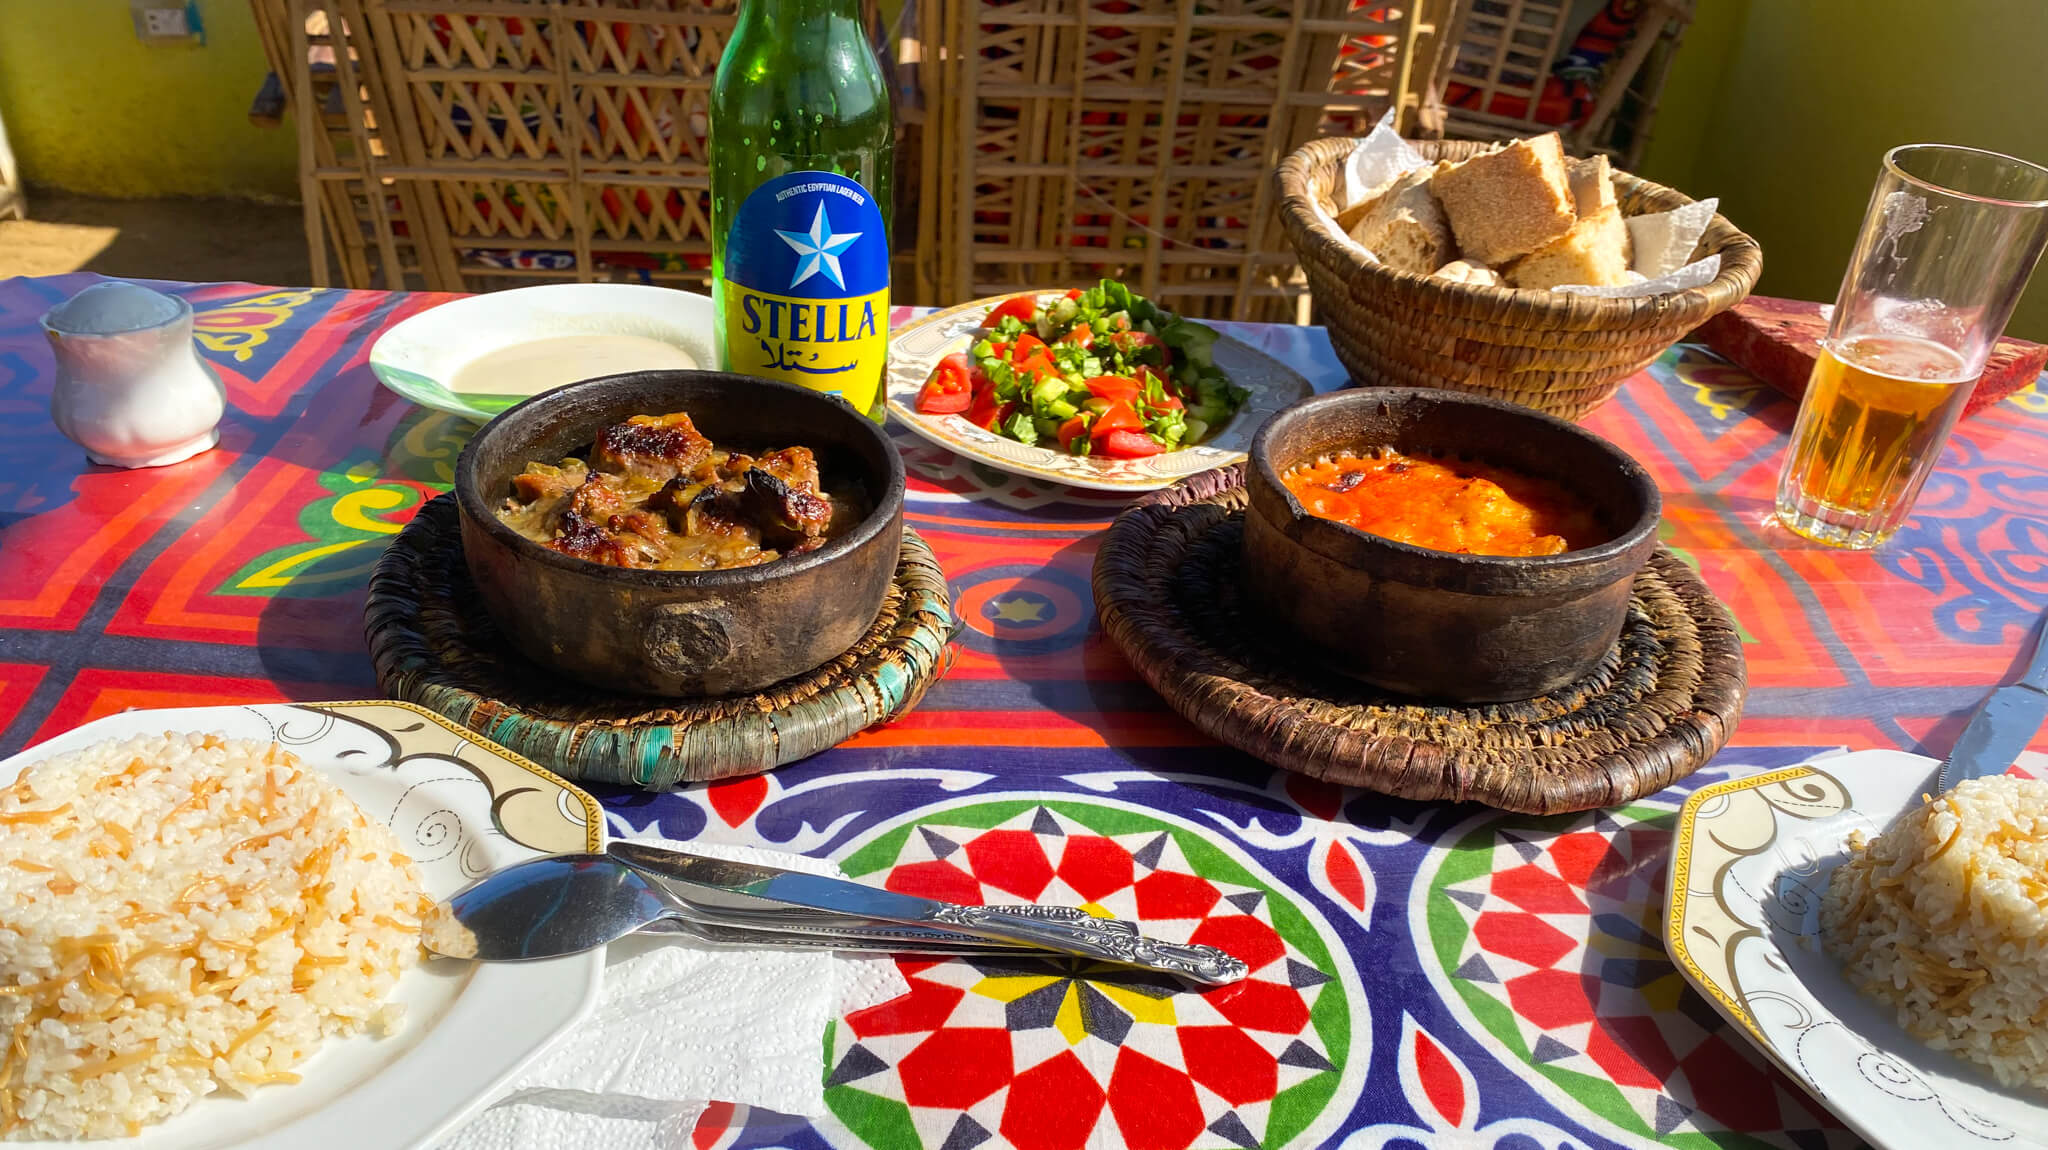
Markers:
433,645
1657,707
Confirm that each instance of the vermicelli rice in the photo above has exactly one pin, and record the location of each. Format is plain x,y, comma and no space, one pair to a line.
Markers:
180,914
1944,917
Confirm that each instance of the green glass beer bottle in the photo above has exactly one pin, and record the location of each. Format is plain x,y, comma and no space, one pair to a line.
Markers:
802,139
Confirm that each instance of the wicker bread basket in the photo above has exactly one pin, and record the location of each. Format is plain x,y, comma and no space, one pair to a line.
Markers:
1554,351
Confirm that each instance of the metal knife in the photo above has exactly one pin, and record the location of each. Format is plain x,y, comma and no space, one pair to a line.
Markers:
1106,940
565,904
2004,725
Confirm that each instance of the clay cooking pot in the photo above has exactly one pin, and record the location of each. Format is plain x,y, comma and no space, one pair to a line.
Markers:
682,633
1435,624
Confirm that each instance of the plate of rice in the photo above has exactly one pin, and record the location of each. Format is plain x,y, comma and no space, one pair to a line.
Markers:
1887,947
210,933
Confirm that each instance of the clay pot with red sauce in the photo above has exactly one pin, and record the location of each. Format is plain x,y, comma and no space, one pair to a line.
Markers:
1438,625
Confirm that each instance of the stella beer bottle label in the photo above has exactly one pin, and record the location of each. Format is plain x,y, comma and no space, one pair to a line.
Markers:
806,292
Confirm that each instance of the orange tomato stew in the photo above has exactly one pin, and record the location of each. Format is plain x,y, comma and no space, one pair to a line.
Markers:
1448,505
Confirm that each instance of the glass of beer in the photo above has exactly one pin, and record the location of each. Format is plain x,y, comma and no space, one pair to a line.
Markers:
1948,241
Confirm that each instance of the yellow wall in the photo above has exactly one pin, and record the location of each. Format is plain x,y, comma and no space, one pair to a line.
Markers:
1784,108
92,109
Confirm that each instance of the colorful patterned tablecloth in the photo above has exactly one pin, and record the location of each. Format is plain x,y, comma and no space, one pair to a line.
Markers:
1423,975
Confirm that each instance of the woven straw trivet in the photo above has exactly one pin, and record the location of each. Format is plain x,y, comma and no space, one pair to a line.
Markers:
1661,703
433,645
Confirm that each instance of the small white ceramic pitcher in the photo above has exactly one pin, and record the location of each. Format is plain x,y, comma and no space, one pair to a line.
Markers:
130,387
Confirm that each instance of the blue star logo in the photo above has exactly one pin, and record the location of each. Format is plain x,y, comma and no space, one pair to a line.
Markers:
819,249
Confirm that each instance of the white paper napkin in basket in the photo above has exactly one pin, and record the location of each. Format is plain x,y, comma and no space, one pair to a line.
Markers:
678,1025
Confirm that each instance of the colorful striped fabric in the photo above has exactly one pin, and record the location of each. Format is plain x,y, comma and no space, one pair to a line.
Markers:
1422,975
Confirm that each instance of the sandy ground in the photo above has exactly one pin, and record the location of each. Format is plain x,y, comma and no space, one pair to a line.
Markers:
177,239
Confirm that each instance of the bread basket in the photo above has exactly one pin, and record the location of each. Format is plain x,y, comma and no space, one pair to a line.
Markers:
1558,352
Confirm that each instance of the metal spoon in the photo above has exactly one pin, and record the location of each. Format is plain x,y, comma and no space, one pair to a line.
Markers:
566,904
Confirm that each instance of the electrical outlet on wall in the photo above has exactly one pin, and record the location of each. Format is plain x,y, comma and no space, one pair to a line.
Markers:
166,20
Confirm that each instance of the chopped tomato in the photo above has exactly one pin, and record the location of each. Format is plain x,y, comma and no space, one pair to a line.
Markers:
1076,427
1079,337
1073,293
988,412
1115,388
950,389
1027,345
1023,307
1036,368
1119,417
1129,445
1168,402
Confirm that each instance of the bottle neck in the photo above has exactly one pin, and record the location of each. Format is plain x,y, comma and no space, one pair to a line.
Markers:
793,14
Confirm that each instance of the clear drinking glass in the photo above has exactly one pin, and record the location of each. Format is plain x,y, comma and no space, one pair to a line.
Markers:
1948,241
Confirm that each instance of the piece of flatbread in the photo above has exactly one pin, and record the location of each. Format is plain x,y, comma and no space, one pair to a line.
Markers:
1406,228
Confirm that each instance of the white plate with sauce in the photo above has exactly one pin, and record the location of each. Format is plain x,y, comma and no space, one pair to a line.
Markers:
477,356
461,807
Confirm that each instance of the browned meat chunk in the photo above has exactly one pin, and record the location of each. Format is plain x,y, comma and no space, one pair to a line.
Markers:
539,496
795,466
675,497
784,497
634,538
539,481
651,446
586,540
598,499
787,513
658,495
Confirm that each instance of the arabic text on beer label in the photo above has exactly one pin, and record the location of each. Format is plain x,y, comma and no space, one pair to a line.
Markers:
807,286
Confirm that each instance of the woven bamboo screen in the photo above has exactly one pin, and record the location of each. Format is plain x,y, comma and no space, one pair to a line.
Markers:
1501,81
323,62
559,138
1072,139
1052,141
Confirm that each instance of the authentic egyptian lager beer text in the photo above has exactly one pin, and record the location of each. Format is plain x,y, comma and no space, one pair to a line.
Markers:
1877,411
801,141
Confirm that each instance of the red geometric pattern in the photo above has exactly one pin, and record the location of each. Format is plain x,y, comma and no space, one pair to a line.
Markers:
1061,1058
1563,929
17,680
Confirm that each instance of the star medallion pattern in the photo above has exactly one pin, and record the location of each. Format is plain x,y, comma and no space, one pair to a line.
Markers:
1088,998
819,249
1018,607
1059,1056
1557,929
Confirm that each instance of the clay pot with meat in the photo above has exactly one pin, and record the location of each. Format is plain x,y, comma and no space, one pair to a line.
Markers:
681,533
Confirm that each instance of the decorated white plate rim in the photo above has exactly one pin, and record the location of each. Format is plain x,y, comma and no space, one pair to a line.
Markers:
469,1029
1742,905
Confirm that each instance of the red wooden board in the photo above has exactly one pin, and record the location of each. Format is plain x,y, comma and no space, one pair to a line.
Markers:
1777,340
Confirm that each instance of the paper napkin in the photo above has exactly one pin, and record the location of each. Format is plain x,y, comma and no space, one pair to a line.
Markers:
678,1025
1378,160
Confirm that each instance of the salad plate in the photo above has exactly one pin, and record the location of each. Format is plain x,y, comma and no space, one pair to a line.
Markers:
1750,862
423,357
461,807
1259,384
